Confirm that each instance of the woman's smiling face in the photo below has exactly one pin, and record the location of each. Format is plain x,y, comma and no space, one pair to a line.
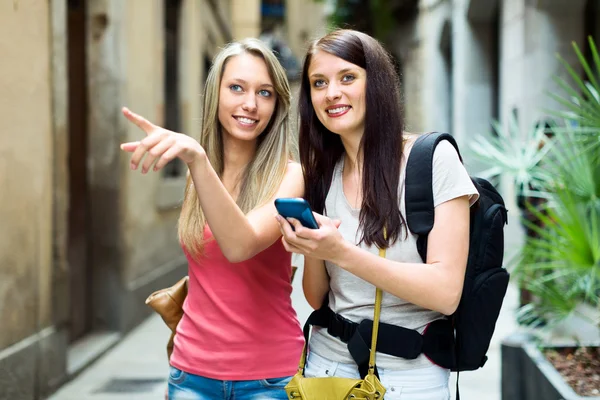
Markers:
338,93
247,97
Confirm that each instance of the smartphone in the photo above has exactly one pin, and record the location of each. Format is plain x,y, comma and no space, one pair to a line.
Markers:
297,208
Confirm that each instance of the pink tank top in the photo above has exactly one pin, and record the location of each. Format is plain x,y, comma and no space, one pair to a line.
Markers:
238,321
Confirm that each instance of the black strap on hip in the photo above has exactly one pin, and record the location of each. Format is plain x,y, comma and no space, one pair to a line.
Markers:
436,342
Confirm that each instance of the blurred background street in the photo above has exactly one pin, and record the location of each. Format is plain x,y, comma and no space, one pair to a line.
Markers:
83,241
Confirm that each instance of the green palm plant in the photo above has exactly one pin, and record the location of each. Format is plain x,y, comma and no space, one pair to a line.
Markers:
560,265
574,165
519,156
560,261
581,98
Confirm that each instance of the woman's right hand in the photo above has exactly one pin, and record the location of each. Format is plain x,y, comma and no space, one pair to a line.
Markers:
325,243
160,145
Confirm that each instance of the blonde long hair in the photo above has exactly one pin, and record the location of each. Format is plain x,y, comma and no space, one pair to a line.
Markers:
263,175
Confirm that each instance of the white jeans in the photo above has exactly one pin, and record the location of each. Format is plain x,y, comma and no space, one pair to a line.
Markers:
429,383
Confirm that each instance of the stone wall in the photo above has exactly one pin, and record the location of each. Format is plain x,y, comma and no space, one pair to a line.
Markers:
26,179
132,247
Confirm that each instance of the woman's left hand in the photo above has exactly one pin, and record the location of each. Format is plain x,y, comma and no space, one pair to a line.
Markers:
160,145
325,243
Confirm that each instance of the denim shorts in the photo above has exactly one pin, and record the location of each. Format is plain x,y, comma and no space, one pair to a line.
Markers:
185,386
429,383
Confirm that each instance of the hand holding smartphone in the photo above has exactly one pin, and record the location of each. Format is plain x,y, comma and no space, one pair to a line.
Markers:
297,208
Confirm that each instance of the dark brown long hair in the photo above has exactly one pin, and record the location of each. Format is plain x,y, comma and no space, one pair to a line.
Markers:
382,141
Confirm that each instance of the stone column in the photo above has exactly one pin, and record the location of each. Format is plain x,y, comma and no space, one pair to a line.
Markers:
556,25
531,35
426,70
474,57
190,64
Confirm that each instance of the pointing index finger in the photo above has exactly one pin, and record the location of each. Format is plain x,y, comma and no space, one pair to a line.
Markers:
140,121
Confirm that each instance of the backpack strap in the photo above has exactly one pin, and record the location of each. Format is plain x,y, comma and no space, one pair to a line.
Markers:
418,195
418,191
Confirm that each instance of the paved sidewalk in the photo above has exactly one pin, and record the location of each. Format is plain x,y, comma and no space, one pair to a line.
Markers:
141,358
137,367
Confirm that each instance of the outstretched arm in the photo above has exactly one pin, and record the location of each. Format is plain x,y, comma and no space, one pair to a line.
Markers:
240,236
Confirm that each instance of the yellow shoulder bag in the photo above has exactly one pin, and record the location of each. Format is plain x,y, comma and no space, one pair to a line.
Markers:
335,388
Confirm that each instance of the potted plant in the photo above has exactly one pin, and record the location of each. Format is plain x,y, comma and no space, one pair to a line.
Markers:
517,155
560,261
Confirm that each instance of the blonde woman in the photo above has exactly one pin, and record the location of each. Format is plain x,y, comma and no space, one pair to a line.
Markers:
239,337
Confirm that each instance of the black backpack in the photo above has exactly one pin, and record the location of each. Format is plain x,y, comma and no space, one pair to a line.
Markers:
486,280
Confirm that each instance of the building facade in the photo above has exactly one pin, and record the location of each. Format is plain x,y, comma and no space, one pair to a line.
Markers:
84,240
467,62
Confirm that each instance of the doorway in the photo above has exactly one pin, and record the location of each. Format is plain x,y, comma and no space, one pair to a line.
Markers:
80,274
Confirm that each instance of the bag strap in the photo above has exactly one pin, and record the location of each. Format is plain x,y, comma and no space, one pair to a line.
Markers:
376,314
418,195
418,192
378,296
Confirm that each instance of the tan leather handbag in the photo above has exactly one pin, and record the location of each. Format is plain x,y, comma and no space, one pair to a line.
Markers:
168,303
335,388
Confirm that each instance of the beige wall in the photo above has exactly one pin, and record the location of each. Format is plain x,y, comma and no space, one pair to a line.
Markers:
245,18
216,22
60,152
148,232
136,215
25,169
132,228
305,21
151,202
